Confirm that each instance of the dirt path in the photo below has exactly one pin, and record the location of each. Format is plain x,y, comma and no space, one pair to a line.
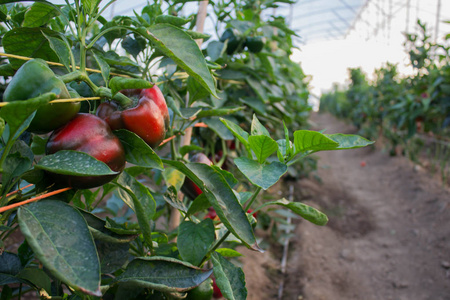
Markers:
388,236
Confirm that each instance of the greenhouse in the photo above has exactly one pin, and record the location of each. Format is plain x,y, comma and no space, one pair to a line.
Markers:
259,149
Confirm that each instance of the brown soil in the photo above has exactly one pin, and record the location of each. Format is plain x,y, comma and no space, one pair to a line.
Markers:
388,235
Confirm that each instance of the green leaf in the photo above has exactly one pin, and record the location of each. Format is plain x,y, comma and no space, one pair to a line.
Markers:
89,5
37,277
10,267
283,27
221,197
194,240
18,161
69,162
261,175
142,203
238,132
189,112
61,49
215,50
104,67
112,256
307,212
171,196
348,141
199,204
10,264
134,46
39,14
173,177
258,128
196,90
223,111
2,126
61,240
227,252
263,146
29,42
163,274
258,87
38,144
120,83
188,148
183,50
216,125
98,229
7,70
137,151
17,112
229,278
306,140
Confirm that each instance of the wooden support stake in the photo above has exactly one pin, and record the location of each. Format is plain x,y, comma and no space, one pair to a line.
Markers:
175,216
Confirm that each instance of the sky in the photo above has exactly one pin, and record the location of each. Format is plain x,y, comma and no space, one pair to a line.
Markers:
375,40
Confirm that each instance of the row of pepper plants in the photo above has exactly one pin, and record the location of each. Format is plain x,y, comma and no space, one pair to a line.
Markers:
411,113
94,146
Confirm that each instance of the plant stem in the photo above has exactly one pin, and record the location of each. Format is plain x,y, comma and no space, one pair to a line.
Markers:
216,245
72,76
255,194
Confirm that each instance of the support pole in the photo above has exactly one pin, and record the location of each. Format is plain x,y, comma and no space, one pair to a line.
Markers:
175,216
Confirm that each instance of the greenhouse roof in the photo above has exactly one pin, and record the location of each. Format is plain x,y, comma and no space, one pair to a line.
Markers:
312,19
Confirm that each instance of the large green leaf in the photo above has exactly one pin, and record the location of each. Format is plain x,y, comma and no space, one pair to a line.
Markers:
237,131
307,140
69,162
263,146
229,278
61,49
60,239
349,141
10,266
194,240
17,114
137,151
262,175
306,212
39,14
182,49
29,42
163,274
221,197
173,177
216,125
18,161
139,198
258,128
112,256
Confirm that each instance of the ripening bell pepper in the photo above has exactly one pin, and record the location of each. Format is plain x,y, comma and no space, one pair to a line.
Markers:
89,134
149,119
33,79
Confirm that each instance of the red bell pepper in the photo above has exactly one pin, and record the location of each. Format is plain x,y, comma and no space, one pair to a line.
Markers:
89,134
149,119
